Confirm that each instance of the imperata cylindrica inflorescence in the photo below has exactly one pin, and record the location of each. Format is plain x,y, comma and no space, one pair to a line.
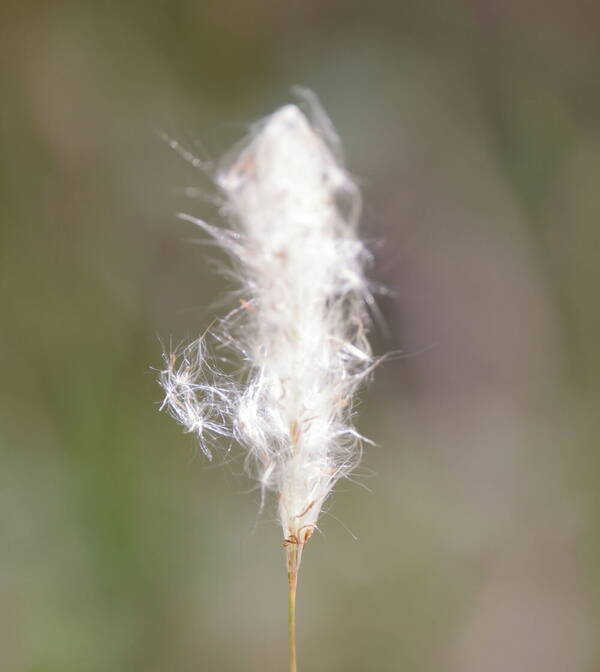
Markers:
298,331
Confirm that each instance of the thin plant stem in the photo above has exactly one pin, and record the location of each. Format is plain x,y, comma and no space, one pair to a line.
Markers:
292,564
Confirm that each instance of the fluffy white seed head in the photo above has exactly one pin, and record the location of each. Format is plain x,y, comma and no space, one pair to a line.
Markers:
300,330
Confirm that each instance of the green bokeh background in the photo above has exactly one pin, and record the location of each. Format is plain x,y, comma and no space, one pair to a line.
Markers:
474,130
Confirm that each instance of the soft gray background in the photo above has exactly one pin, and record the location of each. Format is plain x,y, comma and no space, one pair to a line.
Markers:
473,127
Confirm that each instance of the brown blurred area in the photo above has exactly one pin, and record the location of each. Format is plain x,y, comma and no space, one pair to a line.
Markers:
474,130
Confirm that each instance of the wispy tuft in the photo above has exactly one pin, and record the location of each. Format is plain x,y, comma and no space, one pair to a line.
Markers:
299,332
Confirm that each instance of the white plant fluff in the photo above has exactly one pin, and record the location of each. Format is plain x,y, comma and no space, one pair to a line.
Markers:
299,331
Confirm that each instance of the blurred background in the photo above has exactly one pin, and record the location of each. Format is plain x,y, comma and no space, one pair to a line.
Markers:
474,130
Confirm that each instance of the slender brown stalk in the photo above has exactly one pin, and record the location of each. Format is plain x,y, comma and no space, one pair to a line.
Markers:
292,551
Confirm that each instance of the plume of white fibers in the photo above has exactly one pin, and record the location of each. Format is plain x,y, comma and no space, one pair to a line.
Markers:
300,330
197,395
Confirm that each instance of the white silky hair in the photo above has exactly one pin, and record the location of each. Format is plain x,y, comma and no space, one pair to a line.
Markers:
300,331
